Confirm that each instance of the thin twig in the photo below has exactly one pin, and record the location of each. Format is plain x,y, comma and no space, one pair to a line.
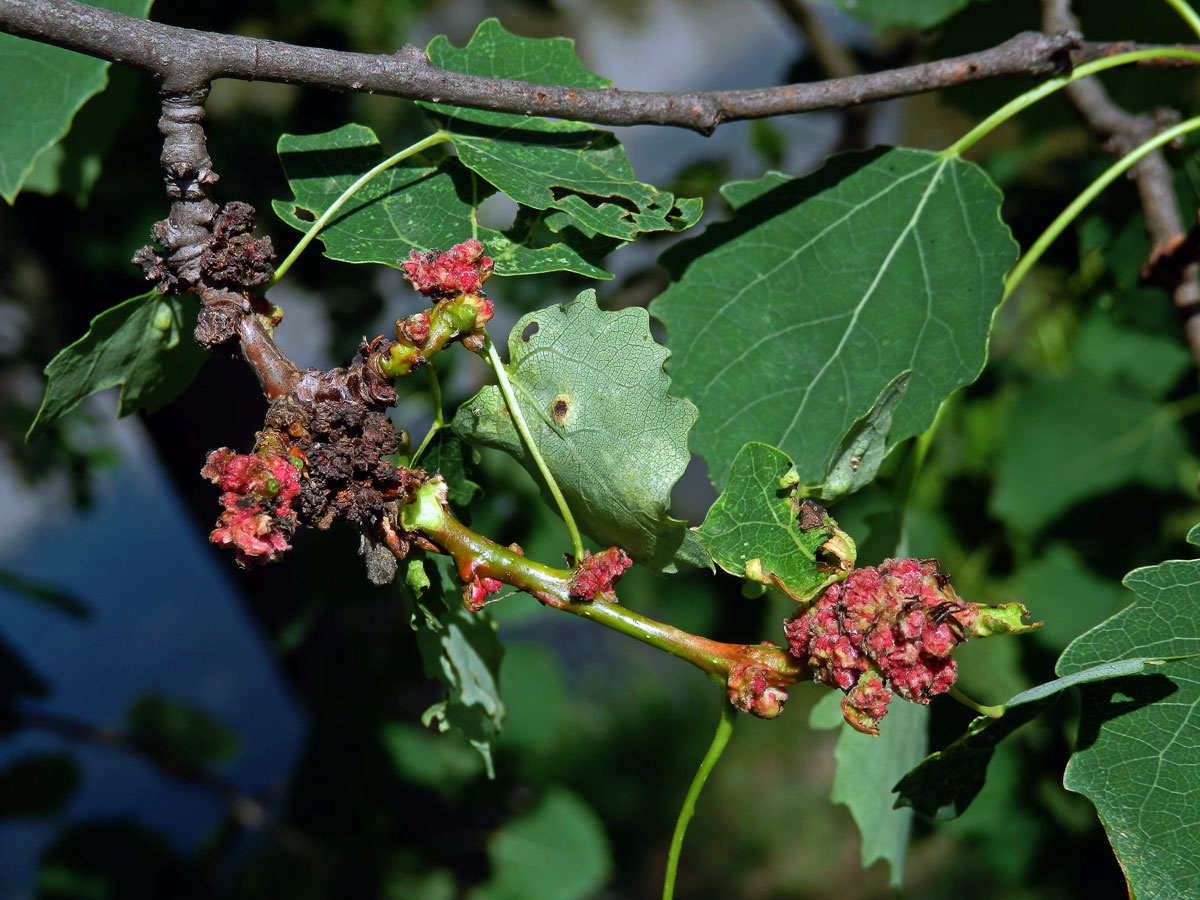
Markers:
186,60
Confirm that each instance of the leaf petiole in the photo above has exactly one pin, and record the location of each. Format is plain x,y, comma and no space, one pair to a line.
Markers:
1055,228
514,410
438,137
715,749
439,419
1189,15
992,712
1046,88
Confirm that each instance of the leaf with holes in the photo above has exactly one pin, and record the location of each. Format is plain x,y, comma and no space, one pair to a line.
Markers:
755,528
417,205
43,87
578,171
1135,757
592,389
143,344
787,322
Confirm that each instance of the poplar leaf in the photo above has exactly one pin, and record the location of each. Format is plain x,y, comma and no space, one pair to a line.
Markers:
144,345
788,321
592,390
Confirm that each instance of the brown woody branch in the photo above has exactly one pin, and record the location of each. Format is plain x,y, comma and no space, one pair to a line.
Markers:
187,60
1172,262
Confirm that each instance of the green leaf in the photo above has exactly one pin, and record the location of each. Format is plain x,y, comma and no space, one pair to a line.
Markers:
1135,756
867,767
884,14
43,87
412,206
143,344
184,734
943,785
592,389
789,321
39,784
558,851
568,167
1076,437
460,650
754,528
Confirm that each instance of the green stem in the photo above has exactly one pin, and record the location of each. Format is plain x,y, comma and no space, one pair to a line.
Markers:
1189,14
992,712
475,554
432,140
715,749
1046,88
514,410
1065,218
439,420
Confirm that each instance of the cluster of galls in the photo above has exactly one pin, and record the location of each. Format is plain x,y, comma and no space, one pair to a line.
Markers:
313,463
455,280
257,520
890,629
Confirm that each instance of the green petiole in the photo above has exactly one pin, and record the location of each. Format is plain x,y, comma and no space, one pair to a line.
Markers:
1055,228
420,146
1046,88
1189,15
514,410
720,739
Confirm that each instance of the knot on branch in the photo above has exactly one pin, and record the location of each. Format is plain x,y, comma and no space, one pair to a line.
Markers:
312,463
234,258
187,171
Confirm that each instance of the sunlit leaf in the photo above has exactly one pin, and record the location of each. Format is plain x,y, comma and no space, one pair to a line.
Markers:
569,167
755,529
417,205
787,322
592,389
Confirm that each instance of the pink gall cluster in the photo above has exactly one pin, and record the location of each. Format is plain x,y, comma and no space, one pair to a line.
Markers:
597,573
751,691
257,518
460,270
884,630
477,590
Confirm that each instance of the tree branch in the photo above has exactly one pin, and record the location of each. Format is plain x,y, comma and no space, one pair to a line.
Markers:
187,60
1172,262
